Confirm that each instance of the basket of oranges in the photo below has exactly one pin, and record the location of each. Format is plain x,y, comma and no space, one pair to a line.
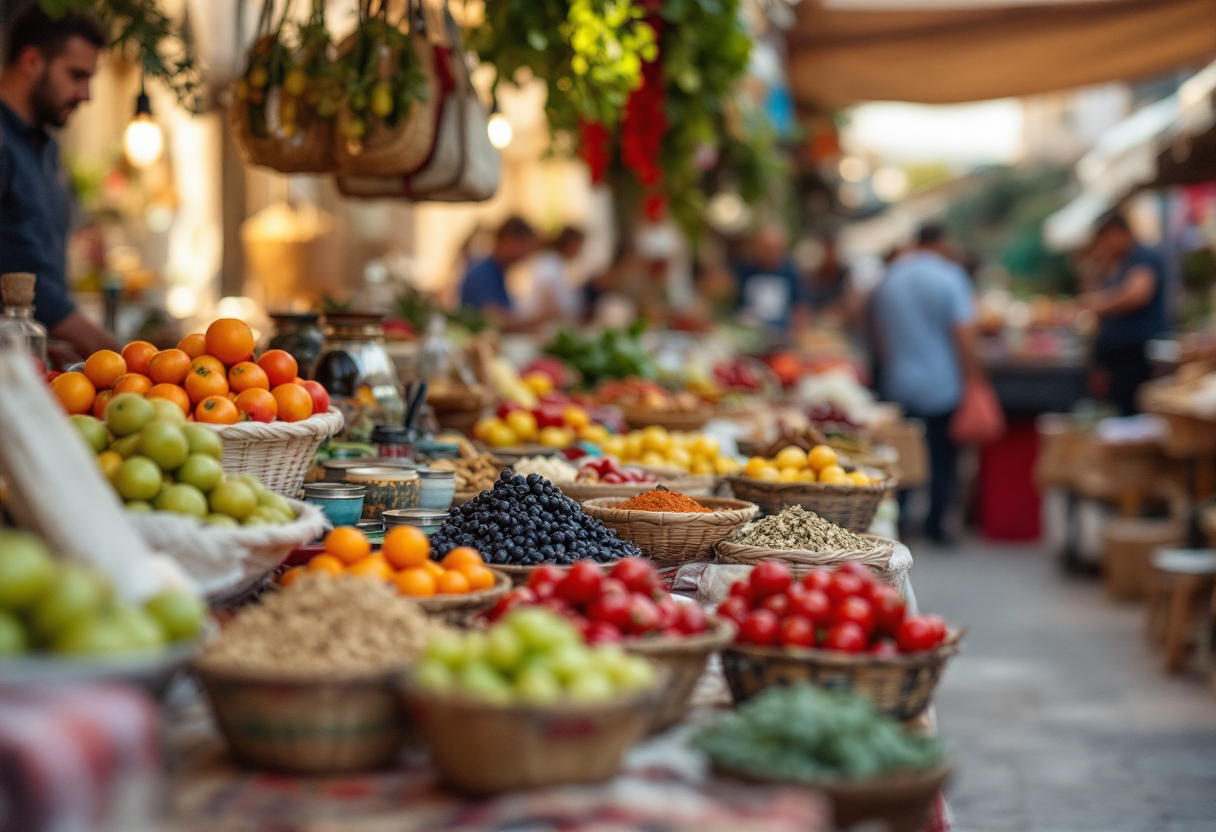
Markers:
271,421
453,589
815,481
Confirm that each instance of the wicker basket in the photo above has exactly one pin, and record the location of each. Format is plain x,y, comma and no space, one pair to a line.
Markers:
685,660
899,686
279,453
850,506
671,538
456,609
484,749
308,725
226,562
310,150
801,561
638,419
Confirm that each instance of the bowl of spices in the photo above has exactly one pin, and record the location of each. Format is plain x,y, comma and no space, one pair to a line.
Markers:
669,527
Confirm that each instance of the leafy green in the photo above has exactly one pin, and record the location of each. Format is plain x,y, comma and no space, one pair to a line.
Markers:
804,733
417,308
614,353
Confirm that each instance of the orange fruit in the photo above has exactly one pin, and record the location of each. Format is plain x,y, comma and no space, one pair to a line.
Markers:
463,556
137,354
204,381
280,366
132,383
406,546
75,392
230,340
291,576
452,582
247,376
210,362
99,403
479,577
258,405
348,544
372,566
169,367
193,345
415,582
294,402
326,563
433,567
171,392
217,410
103,368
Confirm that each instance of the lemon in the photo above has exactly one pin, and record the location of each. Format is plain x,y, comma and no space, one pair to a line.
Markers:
859,478
655,459
613,446
789,475
724,465
595,434
754,466
655,438
705,446
766,474
680,458
633,445
807,475
701,467
820,457
834,475
791,457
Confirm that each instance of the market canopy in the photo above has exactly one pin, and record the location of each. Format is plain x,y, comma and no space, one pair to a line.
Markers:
947,51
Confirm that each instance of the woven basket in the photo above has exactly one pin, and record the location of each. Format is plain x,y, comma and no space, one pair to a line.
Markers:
670,419
308,725
484,749
671,538
899,686
310,150
801,561
456,609
850,506
670,478
278,453
225,562
685,660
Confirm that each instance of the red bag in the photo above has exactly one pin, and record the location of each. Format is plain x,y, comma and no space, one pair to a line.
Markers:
979,418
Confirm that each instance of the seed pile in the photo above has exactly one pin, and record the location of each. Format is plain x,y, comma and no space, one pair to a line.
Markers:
526,521
321,625
795,528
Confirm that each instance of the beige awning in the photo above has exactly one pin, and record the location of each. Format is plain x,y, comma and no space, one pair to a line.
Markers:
843,52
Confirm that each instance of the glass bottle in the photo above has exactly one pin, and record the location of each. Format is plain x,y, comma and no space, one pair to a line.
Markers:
439,361
17,291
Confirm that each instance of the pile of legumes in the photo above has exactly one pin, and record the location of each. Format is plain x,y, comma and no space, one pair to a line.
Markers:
795,528
663,500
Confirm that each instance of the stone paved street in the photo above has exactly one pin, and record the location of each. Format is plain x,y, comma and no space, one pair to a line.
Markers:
1057,710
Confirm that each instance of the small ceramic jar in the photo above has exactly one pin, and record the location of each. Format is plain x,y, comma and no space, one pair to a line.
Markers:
340,502
438,488
387,488
425,519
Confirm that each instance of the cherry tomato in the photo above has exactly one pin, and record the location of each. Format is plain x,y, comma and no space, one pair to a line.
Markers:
669,612
889,608
612,608
846,637
857,570
779,603
644,615
915,635
760,627
797,631
769,578
581,585
857,610
515,598
884,647
735,609
742,589
843,585
637,574
601,632
814,605
817,579
692,619
938,625
545,576
611,586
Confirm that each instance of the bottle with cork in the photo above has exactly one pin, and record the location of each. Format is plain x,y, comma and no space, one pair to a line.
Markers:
17,292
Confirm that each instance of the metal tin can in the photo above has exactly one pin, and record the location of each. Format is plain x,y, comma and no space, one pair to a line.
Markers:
425,519
342,503
438,487
387,488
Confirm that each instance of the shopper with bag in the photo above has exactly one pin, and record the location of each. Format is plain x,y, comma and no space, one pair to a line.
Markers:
924,322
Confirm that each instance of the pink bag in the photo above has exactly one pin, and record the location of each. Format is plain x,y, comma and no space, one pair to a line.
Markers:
979,418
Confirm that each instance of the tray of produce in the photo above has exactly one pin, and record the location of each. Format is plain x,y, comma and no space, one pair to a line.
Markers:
841,630
695,453
669,527
875,771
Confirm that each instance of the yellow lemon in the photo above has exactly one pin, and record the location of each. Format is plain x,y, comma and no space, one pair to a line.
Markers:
766,474
538,383
789,475
655,459
633,445
481,430
755,465
701,467
834,475
807,475
706,446
500,436
724,465
859,478
820,457
680,458
613,446
655,438
596,434
791,457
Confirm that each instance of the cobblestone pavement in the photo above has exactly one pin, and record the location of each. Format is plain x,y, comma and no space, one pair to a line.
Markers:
1058,712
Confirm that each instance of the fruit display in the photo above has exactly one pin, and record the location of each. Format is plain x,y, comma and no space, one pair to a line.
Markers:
627,603
69,610
643,394
696,453
839,736
404,560
156,461
845,609
210,377
552,425
820,464
530,655
528,521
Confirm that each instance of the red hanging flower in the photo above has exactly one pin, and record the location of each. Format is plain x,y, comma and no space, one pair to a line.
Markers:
655,207
593,149
643,125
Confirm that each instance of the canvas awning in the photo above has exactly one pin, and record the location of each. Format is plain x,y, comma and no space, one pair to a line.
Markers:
842,52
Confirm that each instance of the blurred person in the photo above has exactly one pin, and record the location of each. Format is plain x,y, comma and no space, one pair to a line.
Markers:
770,288
924,321
1129,303
49,64
552,281
484,286
827,290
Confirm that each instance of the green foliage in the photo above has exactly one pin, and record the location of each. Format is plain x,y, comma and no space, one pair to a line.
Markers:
615,353
417,308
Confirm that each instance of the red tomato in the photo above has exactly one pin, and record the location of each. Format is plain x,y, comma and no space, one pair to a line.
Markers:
884,647
769,578
280,368
889,608
846,637
857,570
601,632
760,627
611,586
692,619
669,612
843,585
612,608
916,635
320,396
742,589
858,611
814,605
644,615
817,579
797,631
779,603
938,625
735,609
515,598
581,585
637,574
671,632
559,606
545,575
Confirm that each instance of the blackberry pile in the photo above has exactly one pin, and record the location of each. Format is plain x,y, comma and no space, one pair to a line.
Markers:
526,521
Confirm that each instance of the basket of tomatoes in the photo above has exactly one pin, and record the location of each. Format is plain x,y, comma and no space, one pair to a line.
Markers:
839,629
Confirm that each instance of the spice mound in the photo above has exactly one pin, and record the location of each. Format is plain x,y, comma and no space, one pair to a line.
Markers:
795,528
661,500
322,625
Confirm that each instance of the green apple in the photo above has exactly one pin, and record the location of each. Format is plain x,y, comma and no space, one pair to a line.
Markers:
634,673
13,639
143,629
93,430
254,483
181,614
126,447
541,630
166,411
138,506
139,478
202,471
75,594
127,413
434,676
181,498
26,569
95,635
222,520
203,440
269,499
537,686
569,661
234,498
164,443
504,649
447,648
483,682
592,686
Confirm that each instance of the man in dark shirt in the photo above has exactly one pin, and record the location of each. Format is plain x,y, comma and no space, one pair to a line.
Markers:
46,76
484,286
770,288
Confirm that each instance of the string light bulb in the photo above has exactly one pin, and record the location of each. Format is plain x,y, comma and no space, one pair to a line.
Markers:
143,142
499,129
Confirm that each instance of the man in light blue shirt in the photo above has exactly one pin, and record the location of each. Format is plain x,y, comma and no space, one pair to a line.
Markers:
924,323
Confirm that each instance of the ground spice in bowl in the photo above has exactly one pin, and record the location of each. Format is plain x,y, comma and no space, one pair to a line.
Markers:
663,500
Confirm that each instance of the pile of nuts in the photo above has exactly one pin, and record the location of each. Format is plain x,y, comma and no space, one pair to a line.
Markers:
475,473
795,528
